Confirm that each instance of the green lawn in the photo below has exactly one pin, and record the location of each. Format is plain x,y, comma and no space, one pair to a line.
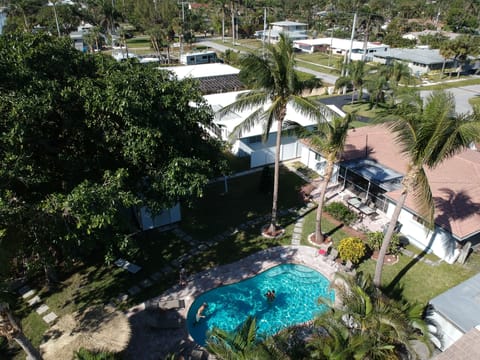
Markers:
362,109
218,212
421,282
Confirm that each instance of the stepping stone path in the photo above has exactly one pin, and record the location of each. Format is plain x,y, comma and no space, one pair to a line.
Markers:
198,247
29,296
42,308
49,318
297,230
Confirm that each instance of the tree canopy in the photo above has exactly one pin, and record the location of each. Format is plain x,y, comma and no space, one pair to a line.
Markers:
83,139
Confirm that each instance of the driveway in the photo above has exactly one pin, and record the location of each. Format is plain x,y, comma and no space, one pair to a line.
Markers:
462,95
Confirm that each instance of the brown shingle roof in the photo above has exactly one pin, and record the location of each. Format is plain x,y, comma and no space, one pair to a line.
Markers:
465,348
455,183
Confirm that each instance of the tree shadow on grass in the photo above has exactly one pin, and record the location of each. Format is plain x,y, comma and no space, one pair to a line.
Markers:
394,288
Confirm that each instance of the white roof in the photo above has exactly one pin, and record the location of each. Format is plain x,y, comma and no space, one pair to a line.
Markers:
231,120
202,70
337,43
287,23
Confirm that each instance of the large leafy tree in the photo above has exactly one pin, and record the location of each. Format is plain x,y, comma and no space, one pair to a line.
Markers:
82,139
367,325
427,133
274,84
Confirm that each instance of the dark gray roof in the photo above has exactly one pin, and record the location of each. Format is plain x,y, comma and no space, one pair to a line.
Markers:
420,56
461,304
375,172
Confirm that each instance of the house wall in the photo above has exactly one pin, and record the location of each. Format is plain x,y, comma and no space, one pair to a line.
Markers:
316,162
166,217
264,153
449,333
438,241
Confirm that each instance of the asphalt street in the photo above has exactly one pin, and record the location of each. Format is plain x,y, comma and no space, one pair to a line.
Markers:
461,94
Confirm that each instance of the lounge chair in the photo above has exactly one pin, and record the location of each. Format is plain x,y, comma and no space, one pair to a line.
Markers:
171,304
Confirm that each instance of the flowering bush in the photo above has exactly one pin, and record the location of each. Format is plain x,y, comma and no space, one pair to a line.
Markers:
351,248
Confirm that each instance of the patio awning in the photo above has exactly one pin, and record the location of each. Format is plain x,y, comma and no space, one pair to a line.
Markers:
374,172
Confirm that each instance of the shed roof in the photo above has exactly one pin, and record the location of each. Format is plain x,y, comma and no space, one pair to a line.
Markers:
461,304
202,70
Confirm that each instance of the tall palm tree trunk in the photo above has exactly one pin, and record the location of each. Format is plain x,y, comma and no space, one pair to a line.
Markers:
27,347
276,175
319,238
377,280
10,329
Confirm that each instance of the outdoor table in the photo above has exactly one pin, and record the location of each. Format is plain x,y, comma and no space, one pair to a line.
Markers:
355,202
367,210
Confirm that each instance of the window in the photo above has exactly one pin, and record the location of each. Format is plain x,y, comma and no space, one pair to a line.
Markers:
318,157
419,220
255,139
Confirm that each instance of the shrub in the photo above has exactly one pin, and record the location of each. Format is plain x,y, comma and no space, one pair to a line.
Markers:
375,239
351,248
341,212
84,354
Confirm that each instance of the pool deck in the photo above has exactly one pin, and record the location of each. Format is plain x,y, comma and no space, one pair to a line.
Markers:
151,341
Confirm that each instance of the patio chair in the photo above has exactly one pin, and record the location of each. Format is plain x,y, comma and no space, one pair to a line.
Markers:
349,266
171,304
333,254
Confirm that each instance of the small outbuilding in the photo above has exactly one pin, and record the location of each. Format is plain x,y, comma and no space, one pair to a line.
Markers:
457,311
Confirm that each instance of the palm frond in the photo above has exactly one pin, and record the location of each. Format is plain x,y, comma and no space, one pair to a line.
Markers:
246,101
311,109
249,122
423,196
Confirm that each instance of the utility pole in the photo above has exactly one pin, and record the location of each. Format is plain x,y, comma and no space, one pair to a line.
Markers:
183,29
56,17
348,56
233,23
264,29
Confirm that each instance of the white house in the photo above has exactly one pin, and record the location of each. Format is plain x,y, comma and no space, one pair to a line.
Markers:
250,143
373,166
341,47
294,30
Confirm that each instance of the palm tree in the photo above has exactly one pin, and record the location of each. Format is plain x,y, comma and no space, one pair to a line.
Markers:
10,329
274,83
241,344
368,325
355,77
427,135
447,53
328,138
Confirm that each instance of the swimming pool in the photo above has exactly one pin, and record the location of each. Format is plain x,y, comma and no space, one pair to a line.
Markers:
297,289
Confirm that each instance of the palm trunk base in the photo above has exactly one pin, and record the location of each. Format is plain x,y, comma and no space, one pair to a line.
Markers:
325,240
272,231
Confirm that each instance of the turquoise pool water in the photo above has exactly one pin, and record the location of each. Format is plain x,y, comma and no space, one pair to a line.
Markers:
297,289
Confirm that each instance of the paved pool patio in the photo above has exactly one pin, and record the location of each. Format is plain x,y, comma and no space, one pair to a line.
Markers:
151,341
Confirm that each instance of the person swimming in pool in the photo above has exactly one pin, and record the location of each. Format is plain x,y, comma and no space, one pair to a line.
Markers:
270,295
200,312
